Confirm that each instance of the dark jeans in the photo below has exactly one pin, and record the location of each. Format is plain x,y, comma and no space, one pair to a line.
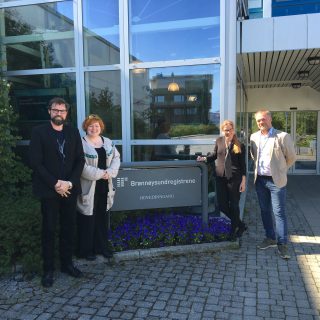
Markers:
53,209
228,196
92,230
272,202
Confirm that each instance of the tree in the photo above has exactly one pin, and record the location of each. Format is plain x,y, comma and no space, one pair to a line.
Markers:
20,212
13,173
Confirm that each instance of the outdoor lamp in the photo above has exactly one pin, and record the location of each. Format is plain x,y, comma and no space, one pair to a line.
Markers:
303,74
296,85
314,60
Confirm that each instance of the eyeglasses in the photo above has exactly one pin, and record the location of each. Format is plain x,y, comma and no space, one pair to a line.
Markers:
229,130
58,111
93,116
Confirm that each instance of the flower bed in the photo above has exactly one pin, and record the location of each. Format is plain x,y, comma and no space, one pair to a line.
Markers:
160,230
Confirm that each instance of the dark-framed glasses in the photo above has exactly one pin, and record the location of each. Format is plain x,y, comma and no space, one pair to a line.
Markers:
58,111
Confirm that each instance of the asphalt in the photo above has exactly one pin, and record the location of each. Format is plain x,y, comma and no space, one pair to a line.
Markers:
240,283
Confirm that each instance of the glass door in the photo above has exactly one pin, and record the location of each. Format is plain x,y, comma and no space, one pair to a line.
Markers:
305,138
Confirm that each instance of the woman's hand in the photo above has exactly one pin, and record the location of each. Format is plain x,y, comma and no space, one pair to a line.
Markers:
202,159
243,184
105,176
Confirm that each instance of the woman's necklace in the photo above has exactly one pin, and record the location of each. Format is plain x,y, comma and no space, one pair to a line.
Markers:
97,143
227,143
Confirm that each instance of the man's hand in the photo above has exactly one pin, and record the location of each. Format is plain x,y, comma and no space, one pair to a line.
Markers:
62,187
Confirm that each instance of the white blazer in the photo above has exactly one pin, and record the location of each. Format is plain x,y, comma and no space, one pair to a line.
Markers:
282,153
91,173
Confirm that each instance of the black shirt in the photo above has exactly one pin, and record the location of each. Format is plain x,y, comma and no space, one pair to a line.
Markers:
102,184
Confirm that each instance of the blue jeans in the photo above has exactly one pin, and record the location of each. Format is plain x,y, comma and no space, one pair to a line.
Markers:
272,202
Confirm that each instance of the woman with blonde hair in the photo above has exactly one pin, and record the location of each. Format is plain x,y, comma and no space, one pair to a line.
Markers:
229,157
102,162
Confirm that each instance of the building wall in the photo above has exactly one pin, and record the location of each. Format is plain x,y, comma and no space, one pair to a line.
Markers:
276,99
117,59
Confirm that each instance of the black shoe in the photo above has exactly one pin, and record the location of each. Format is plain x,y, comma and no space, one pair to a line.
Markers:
90,257
242,228
107,254
47,279
232,237
72,271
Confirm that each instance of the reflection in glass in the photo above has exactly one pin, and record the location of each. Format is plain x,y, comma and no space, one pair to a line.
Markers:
171,30
174,152
192,112
101,32
103,97
38,36
306,140
30,95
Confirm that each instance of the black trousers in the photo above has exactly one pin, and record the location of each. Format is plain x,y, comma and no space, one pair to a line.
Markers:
92,230
228,196
64,210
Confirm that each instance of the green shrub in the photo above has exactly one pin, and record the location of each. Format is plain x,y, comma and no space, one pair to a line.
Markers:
19,214
20,224
192,129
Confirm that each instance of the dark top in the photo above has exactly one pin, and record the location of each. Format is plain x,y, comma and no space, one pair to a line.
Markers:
102,184
49,164
238,160
61,142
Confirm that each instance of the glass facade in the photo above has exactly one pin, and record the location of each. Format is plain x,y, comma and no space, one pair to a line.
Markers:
103,97
101,32
190,111
171,30
38,36
150,69
30,96
294,7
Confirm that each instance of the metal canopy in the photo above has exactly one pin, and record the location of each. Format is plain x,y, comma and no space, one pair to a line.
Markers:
280,69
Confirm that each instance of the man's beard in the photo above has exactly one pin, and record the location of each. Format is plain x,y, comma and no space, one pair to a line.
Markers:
58,121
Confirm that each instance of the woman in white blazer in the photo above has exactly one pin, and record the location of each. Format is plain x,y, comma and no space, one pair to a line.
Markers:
102,162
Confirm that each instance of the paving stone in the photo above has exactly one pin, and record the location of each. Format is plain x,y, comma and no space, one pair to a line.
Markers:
244,283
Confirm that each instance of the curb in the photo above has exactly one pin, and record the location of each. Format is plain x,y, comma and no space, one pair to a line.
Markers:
175,250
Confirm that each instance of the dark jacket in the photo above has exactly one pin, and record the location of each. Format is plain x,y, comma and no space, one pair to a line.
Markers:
45,159
238,161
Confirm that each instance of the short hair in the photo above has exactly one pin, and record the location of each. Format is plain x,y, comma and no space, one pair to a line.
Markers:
58,100
90,119
267,112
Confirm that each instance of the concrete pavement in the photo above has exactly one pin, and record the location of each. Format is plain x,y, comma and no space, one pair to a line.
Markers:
244,283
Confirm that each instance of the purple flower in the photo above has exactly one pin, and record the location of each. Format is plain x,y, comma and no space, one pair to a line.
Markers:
163,229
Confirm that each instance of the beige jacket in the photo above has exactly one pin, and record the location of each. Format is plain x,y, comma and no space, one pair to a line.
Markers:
282,152
91,173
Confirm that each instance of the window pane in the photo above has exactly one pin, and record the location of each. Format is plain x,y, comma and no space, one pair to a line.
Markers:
172,30
30,96
169,152
190,111
101,32
38,36
103,97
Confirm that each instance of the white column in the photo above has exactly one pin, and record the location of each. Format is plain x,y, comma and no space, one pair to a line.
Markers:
267,6
228,60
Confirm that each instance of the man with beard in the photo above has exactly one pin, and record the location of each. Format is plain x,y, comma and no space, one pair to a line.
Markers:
56,157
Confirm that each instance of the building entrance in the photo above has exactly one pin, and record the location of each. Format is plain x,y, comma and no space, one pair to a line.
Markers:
305,135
